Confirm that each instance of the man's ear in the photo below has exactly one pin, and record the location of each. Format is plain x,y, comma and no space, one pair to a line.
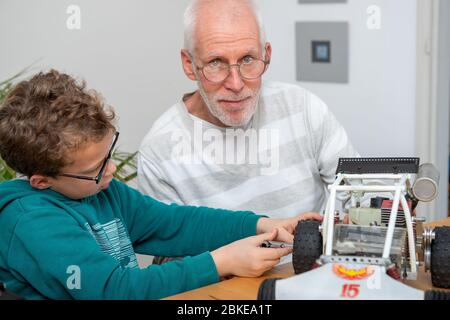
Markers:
188,66
40,182
268,49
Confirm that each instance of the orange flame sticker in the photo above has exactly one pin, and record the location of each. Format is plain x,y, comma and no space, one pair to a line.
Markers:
352,273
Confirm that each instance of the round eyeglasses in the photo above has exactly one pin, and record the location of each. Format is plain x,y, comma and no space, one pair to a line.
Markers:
249,68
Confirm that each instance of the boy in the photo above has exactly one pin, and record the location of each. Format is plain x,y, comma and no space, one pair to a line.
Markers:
69,231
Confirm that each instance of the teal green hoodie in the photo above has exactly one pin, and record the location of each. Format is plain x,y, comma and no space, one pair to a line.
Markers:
52,247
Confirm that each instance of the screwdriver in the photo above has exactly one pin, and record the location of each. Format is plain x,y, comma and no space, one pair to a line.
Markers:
275,244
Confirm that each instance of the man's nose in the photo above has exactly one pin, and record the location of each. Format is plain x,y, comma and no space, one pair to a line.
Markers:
234,81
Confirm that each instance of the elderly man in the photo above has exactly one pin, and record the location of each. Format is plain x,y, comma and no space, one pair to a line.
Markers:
237,143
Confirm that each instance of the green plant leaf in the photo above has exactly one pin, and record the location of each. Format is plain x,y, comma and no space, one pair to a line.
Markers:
6,173
126,165
125,161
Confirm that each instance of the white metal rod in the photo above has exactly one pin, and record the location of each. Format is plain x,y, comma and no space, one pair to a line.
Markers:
338,180
373,176
330,222
391,226
324,226
366,188
411,242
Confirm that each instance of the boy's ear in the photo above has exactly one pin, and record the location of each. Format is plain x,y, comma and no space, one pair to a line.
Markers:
40,182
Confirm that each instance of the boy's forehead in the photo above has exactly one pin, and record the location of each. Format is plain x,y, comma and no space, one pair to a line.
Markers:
90,153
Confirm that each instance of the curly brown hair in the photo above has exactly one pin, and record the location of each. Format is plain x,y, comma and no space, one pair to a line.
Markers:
45,118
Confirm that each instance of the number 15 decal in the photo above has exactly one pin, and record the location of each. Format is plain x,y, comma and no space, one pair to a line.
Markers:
350,291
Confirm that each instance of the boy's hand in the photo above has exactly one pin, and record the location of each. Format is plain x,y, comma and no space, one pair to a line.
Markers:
246,257
286,227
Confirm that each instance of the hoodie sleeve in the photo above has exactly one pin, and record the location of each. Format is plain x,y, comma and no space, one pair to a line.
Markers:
59,259
172,230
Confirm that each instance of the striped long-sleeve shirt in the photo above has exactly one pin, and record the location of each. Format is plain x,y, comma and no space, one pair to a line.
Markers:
279,165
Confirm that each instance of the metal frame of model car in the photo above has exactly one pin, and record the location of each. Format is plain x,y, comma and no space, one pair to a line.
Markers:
398,188
365,276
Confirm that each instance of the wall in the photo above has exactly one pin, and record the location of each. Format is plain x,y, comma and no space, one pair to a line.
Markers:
433,65
129,50
377,106
443,103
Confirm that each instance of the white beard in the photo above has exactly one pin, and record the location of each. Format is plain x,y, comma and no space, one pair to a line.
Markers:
223,116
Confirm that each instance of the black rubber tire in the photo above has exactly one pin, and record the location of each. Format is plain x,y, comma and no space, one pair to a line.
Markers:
440,258
307,246
267,289
437,295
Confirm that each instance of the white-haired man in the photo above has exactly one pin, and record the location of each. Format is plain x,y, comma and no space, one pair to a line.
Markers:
237,143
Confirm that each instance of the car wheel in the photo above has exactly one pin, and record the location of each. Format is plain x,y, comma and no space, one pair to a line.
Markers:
307,246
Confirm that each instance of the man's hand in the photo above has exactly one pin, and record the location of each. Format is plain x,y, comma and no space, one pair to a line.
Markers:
286,227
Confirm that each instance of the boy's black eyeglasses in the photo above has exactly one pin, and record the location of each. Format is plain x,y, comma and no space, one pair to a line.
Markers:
103,167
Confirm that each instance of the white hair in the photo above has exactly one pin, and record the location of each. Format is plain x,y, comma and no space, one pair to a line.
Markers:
190,21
